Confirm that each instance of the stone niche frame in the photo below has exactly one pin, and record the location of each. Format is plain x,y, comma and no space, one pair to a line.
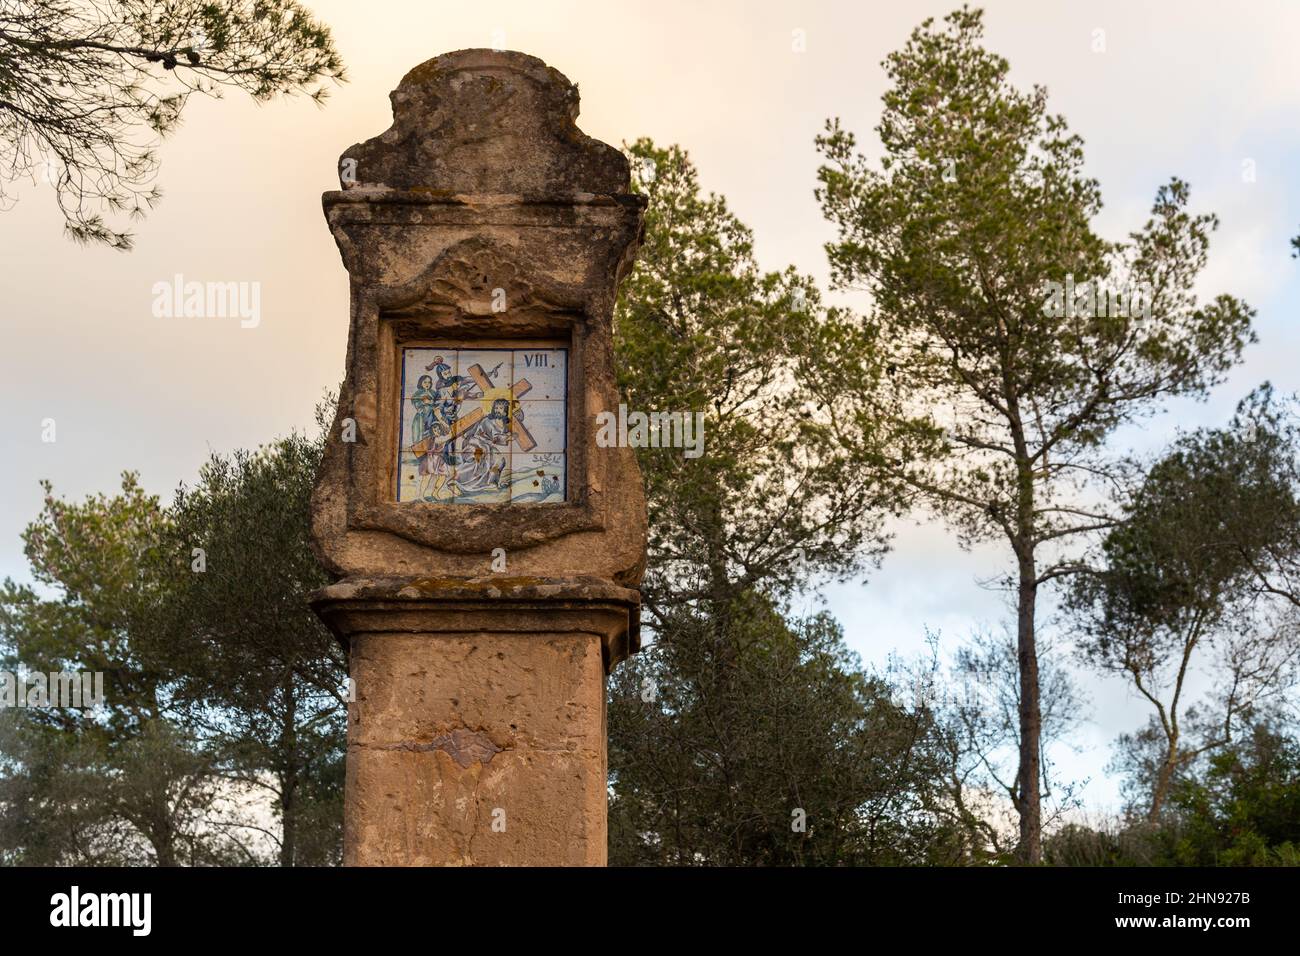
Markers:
372,500
451,303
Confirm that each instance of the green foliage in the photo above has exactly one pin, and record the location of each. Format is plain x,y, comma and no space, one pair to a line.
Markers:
88,87
125,783
1077,844
263,677
1239,806
1186,583
220,684
105,562
248,516
1244,809
700,328
996,407
752,719
720,744
982,400
1207,516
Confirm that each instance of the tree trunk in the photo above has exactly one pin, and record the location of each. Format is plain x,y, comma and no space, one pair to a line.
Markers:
288,822
1164,777
1030,803
163,853
163,839
289,777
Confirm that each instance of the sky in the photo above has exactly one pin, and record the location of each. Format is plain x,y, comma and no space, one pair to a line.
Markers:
1204,91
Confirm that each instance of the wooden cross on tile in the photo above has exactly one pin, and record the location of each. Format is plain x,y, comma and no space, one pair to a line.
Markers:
517,391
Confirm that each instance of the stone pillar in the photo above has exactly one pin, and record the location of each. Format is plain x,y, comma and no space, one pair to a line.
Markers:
487,551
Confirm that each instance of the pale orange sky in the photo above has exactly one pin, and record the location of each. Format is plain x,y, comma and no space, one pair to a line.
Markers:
1183,88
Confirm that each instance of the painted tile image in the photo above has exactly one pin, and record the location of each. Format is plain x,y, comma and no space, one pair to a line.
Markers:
538,478
469,435
545,370
541,426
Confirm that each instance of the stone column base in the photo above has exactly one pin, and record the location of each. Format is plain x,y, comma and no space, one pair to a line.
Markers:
477,736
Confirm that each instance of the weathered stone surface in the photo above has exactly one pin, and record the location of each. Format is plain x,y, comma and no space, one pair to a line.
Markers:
448,728
478,731
502,604
425,258
484,122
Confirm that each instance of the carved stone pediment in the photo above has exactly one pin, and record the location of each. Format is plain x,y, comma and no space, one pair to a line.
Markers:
474,277
486,122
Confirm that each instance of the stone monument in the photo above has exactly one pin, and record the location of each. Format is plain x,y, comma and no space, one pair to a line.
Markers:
487,552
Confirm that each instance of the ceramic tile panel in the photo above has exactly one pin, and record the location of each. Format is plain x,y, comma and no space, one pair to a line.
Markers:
483,425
